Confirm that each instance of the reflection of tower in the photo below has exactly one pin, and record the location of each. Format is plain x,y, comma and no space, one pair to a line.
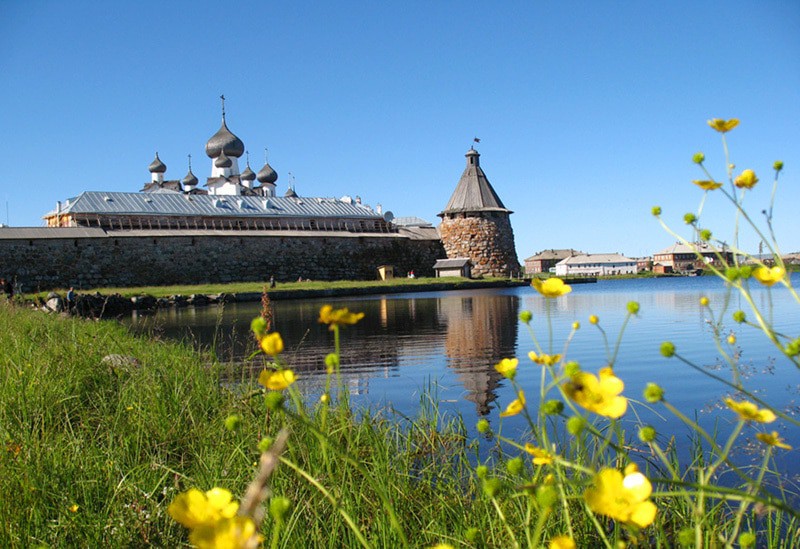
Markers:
476,226
481,329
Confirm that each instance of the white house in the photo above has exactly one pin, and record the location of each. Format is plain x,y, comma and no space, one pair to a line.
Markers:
595,265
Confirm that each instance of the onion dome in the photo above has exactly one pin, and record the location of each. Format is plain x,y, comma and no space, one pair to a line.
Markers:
267,174
224,141
223,161
248,174
157,166
190,179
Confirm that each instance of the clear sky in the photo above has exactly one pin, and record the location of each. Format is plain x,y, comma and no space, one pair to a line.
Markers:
588,112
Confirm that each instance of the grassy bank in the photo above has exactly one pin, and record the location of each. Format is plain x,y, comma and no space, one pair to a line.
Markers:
96,448
409,284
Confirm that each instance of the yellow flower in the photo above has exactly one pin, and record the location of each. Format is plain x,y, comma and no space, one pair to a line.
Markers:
74,507
226,533
515,407
704,301
507,367
600,396
769,276
276,381
593,319
195,508
442,546
772,439
540,455
749,412
543,359
272,344
338,317
552,287
562,542
732,339
723,126
746,180
707,185
623,498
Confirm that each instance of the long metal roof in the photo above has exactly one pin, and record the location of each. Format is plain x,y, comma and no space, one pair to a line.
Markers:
179,204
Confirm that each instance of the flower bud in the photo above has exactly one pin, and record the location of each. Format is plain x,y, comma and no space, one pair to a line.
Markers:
705,235
259,327
656,211
689,218
746,271
593,319
778,165
732,339
279,507
525,316
793,347
233,422
265,444
633,307
553,407
647,434
472,534
576,325
686,537
331,362
571,368
704,301
747,539
739,316
546,496
483,426
576,425
653,393
481,471
732,273
273,400
698,158
515,466
492,486
668,349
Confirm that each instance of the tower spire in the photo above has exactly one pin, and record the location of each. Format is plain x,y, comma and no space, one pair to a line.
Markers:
222,97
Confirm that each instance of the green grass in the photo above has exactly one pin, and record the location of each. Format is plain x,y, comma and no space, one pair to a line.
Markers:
121,442
247,287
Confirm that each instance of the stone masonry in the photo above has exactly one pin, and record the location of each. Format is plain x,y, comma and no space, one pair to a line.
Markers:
488,242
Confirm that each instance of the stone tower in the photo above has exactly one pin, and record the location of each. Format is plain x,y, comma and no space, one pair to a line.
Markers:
475,224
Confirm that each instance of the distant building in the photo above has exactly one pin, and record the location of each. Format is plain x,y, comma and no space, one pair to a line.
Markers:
547,259
596,265
476,226
681,257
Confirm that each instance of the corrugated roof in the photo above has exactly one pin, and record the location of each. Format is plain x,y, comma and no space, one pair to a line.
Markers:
474,193
680,248
179,204
595,258
22,233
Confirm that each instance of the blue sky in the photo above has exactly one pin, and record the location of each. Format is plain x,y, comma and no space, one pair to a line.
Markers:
588,112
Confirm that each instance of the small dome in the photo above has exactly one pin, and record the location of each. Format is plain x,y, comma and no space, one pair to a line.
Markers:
190,179
267,174
224,141
248,174
157,166
290,193
223,161
472,152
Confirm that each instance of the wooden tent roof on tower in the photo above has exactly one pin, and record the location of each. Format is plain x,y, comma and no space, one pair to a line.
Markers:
474,193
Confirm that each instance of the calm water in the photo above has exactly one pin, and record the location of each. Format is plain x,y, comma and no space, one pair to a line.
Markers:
451,340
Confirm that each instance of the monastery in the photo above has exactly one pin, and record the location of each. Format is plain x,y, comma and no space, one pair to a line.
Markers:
235,227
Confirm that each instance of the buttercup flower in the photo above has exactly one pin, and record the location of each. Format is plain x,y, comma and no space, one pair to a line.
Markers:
515,407
226,533
598,395
540,455
195,508
543,359
746,180
593,319
338,317
272,344
769,276
552,287
723,126
74,507
772,439
623,498
507,367
748,411
276,381
562,542
707,185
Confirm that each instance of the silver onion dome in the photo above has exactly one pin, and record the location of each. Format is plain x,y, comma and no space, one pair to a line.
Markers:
157,166
224,141
248,174
190,179
223,161
267,174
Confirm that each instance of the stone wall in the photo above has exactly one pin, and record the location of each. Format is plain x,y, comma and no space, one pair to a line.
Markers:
139,258
486,238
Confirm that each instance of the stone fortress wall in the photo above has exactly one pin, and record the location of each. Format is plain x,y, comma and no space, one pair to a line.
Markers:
40,259
486,238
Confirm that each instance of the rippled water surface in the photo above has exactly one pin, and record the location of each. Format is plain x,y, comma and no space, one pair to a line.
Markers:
451,341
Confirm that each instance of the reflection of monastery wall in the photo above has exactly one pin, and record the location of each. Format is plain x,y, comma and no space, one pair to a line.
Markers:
478,329
87,258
